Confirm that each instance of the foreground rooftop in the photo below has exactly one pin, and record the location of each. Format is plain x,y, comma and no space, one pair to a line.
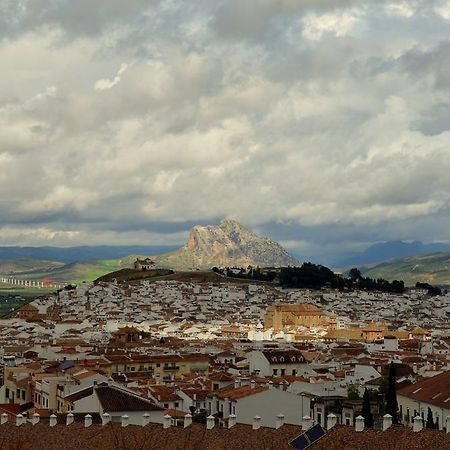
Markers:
197,437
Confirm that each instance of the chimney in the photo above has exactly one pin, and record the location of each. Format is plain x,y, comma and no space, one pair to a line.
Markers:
69,419
417,424
331,421
256,423
252,384
125,420
19,418
447,424
279,422
35,419
167,421
106,418
3,418
210,422
359,424
232,420
53,420
307,423
237,383
145,419
270,384
187,420
387,421
87,420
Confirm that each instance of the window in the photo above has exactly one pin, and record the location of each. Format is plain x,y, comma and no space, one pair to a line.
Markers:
283,371
294,372
176,404
275,371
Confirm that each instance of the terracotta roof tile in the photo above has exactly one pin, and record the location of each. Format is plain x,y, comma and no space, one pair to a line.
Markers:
397,437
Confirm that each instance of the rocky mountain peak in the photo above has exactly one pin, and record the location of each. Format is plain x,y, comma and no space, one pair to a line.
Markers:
226,244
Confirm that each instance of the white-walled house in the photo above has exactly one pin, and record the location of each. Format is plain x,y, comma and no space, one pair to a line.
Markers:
276,362
361,374
433,393
246,402
116,401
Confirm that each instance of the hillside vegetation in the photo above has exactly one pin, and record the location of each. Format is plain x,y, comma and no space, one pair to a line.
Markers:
433,268
13,266
75,272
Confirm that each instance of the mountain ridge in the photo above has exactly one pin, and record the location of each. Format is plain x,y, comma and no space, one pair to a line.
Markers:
226,244
433,268
390,250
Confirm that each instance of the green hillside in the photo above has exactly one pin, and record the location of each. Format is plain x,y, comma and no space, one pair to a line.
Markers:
13,266
433,268
75,272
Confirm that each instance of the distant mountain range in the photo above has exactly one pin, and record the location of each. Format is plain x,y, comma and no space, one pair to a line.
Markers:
385,251
432,268
227,244
82,253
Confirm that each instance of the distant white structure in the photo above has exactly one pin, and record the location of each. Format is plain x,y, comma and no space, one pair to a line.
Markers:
144,264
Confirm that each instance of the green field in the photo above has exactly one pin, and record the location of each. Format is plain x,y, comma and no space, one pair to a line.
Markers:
75,272
85,271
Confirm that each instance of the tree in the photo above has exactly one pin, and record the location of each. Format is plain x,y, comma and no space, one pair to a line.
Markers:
354,274
352,392
366,412
391,394
430,422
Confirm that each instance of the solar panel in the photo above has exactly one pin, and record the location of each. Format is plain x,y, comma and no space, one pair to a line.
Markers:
300,442
307,438
315,433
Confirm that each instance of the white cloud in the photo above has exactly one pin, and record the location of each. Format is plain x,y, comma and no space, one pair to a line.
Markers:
443,9
339,23
402,9
103,84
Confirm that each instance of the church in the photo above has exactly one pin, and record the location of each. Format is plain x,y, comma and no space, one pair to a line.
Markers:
281,316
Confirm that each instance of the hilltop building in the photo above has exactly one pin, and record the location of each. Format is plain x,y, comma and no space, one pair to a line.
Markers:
144,264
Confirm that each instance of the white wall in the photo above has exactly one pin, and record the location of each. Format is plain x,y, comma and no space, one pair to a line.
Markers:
257,361
135,417
268,404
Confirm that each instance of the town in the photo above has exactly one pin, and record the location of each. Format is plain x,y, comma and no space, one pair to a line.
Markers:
224,353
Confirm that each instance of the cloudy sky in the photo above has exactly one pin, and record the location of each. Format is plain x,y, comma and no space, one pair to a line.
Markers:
324,124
